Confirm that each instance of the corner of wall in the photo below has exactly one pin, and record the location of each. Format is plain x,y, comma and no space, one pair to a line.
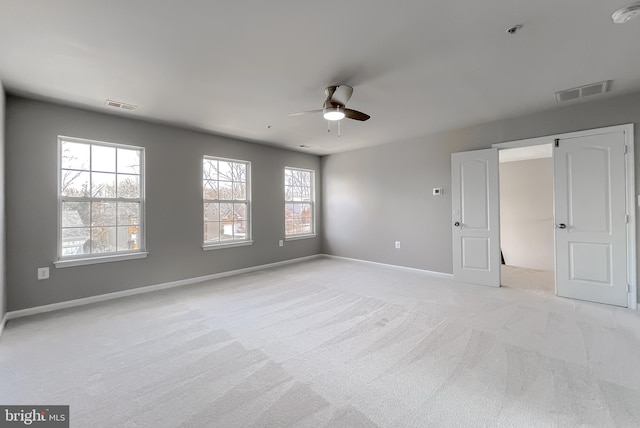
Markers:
3,283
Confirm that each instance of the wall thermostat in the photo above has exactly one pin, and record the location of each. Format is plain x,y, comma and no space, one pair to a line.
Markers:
437,191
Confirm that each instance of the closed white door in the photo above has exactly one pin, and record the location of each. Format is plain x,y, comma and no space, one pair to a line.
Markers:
590,218
476,217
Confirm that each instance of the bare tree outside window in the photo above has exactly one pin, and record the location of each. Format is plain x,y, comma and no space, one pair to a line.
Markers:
100,198
299,202
225,194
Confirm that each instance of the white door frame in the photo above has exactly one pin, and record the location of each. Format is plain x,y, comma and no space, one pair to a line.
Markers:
630,189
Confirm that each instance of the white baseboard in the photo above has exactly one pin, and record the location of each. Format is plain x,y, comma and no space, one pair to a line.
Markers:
427,272
5,318
142,290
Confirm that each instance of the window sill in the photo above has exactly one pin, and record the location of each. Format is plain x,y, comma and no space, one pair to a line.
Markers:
298,237
208,247
95,260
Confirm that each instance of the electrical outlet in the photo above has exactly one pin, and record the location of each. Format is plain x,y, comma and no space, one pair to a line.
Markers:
43,273
397,245
281,243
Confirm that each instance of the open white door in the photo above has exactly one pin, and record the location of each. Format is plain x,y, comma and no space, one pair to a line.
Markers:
590,218
476,217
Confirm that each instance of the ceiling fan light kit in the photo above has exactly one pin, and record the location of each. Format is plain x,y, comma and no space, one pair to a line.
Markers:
624,14
333,113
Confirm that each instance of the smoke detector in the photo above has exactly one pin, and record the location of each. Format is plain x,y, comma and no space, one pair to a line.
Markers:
626,13
583,91
119,105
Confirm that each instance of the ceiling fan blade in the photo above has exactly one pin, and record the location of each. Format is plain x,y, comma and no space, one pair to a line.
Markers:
356,115
342,94
300,113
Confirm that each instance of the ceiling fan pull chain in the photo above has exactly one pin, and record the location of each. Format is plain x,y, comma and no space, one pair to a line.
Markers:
339,128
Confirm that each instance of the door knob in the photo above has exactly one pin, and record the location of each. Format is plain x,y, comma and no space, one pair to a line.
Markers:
456,224
562,226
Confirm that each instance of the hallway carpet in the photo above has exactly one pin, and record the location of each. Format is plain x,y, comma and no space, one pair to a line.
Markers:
330,343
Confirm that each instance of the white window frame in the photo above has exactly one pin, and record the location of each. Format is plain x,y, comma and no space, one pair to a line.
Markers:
312,202
87,259
213,245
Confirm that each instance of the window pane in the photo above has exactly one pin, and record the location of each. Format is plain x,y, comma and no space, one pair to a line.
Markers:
305,193
128,238
73,240
224,170
226,212
211,212
240,231
210,189
210,169
128,213
212,231
75,155
128,186
239,211
287,177
103,239
129,161
239,171
103,213
226,220
103,158
296,193
239,191
225,190
74,183
75,214
288,227
103,185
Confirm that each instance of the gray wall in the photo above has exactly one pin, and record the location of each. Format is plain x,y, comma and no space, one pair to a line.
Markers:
526,213
377,195
3,283
173,204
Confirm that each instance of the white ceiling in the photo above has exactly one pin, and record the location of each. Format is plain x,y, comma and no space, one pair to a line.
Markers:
237,67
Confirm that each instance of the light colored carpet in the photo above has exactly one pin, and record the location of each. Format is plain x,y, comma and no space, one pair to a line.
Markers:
330,343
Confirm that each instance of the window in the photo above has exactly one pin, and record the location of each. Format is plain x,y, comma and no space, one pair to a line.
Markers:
101,188
226,194
299,202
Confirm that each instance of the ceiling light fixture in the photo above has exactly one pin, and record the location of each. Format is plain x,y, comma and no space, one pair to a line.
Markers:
514,29
624,14
333,113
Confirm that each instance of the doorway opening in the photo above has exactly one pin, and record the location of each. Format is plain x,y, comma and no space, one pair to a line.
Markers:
527,219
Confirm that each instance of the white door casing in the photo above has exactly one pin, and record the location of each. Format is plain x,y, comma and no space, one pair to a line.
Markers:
590,218
476,217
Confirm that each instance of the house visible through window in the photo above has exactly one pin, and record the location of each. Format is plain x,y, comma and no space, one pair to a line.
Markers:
226,195
101,198
299,202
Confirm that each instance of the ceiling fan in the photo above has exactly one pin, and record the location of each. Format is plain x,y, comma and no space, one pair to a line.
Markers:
334,106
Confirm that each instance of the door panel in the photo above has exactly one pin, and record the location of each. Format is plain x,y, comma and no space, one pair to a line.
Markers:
590,215
476,217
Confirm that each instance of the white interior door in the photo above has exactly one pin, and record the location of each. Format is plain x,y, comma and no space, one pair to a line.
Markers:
590,218
476,217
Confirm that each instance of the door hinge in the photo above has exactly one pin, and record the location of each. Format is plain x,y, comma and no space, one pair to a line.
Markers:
625,149
628,288
626,218
557,142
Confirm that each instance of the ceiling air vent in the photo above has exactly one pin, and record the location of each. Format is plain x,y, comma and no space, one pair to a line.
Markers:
120,105
583,91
